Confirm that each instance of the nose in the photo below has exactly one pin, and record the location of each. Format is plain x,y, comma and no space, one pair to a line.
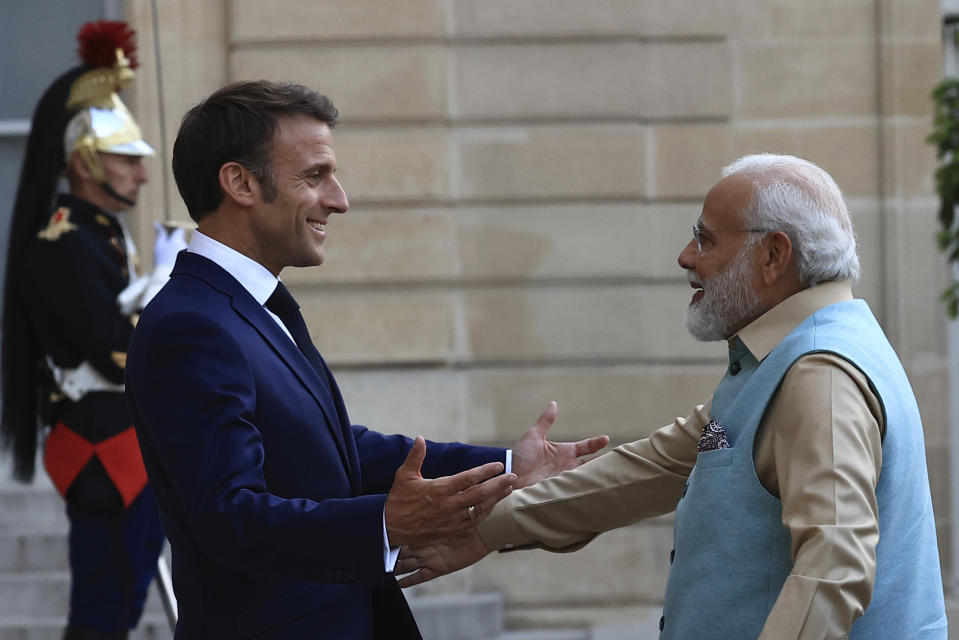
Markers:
687,257
141,174
336,200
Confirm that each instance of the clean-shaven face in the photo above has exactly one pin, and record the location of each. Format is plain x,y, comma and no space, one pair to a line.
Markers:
290,230
125,174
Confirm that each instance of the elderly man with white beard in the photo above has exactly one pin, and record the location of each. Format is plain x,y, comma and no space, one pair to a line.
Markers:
800,487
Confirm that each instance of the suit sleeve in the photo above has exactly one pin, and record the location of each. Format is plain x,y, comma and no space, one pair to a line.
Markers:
205,448
381,455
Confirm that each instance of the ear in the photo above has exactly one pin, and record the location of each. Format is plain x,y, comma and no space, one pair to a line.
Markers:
77,167
775,257
238,183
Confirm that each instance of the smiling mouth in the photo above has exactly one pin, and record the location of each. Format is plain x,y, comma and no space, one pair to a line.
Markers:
318,226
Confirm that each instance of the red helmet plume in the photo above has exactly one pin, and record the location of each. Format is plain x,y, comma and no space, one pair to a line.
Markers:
99,41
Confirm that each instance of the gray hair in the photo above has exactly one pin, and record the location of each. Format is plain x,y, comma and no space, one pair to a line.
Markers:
797,197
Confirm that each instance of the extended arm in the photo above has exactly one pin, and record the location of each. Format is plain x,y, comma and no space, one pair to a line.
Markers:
534,458
208,449
637,480
634,481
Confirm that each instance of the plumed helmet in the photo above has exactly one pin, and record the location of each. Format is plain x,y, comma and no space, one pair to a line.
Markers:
100,120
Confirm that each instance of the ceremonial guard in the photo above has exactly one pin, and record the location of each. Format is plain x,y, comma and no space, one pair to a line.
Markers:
71,301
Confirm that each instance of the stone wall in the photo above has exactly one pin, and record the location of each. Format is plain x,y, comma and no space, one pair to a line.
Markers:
522,176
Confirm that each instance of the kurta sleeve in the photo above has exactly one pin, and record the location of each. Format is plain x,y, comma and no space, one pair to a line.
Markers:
633,481
823,452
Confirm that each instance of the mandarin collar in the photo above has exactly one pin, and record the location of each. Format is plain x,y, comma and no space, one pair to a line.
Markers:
763,334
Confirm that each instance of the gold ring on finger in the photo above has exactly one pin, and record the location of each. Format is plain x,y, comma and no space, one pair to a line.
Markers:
471,510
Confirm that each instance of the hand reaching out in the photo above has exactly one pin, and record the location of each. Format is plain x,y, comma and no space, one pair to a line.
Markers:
536,458
423,563
419,511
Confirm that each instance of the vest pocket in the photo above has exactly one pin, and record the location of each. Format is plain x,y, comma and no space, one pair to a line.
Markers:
714,458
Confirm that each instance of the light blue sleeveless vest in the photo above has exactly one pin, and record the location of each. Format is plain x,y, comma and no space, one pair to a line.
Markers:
731,550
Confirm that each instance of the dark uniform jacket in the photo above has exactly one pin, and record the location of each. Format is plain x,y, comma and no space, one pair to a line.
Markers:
75,268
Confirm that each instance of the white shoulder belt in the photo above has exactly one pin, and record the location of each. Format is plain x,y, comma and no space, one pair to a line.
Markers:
78,382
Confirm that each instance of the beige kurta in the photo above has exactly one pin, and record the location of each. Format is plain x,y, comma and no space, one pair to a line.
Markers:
819,448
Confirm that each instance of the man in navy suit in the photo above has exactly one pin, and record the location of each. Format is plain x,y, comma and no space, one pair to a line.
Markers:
284,518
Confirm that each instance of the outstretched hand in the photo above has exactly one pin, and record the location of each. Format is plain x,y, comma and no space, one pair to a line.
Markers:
536,458
419,511
420,564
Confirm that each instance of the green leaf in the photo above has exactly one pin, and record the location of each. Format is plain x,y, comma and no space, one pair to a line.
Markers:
945,136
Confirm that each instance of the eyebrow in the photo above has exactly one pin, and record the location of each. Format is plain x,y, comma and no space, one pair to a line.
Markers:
319,167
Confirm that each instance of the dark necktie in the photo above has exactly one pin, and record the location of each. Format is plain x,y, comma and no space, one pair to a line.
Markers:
286,308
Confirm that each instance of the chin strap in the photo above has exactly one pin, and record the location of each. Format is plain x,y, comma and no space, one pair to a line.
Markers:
86,147
113,194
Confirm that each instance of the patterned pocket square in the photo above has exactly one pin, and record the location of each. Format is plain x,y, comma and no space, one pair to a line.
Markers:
714,437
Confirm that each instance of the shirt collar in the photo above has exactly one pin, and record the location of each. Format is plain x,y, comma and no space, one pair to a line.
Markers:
251,275
765,332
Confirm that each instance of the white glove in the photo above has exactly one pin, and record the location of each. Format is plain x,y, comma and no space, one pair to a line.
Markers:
142,289
169,242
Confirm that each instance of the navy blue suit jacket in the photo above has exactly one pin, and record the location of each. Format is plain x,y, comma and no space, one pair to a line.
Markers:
272,500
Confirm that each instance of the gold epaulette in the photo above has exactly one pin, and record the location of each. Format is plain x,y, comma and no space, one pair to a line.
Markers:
119,358
58,225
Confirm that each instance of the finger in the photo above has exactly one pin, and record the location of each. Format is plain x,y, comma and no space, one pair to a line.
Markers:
483,497
406,565
591,445
546,419
421,576
466,479
158,227
414,459
484,508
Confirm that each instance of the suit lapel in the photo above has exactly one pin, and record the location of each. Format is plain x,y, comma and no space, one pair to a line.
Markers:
250,310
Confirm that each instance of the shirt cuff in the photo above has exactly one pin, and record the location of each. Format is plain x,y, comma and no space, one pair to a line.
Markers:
390,554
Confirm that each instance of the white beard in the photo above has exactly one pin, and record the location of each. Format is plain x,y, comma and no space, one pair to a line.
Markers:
728,302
